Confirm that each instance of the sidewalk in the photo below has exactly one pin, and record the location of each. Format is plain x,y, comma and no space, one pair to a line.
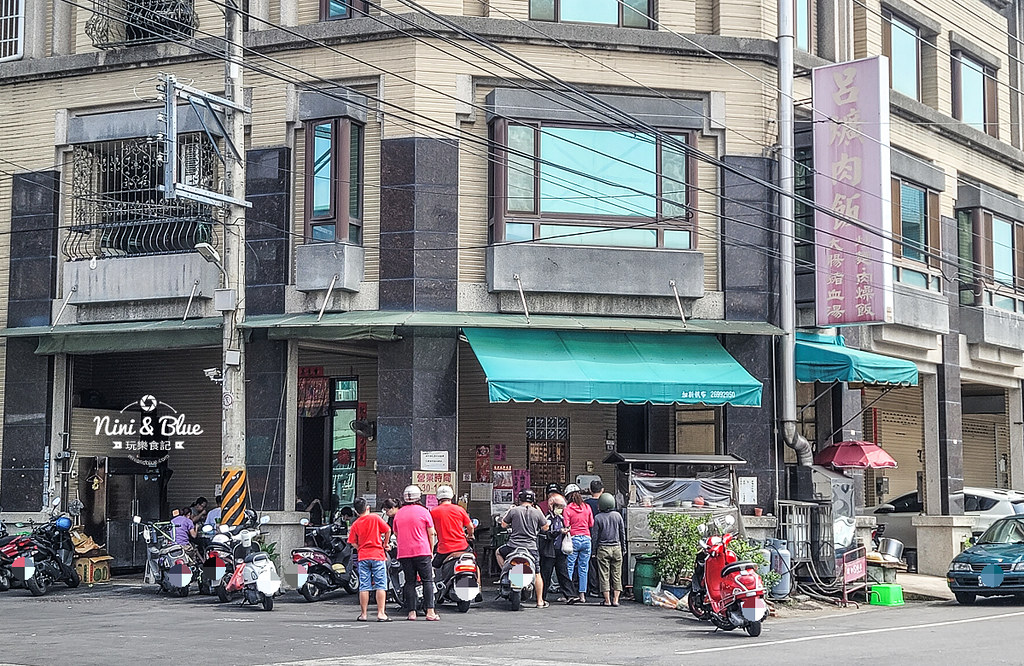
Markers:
918,587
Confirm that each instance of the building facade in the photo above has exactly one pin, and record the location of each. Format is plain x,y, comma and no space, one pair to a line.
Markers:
421,173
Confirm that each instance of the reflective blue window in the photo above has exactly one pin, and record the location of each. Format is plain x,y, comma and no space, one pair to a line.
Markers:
905,63
803,25
323,156
1002,251
972,93
913,221
590,11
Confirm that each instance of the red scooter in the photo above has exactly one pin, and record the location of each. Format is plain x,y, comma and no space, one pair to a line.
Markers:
724,591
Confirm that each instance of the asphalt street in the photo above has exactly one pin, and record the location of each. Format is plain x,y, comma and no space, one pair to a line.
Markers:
121,624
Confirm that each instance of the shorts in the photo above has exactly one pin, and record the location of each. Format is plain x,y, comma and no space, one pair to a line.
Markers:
372,575
508,549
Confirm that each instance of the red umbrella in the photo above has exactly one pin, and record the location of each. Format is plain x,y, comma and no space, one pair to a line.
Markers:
857,454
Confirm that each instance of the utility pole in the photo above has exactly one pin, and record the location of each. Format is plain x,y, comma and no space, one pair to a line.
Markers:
234,486
786,357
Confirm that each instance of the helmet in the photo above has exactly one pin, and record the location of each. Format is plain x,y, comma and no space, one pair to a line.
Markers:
412,494
445,493
606,502
570,489
64,523
527,495
553,488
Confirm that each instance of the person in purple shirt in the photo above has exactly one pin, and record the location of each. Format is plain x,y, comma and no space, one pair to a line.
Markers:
184,528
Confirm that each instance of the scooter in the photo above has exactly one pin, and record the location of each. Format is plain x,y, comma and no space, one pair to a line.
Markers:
167,563
517,578
327,559
257,578
723,590
41,558
456,581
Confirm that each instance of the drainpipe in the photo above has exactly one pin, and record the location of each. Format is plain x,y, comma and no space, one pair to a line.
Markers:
786,371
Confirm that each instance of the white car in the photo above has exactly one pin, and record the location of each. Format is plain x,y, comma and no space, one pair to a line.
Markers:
986,505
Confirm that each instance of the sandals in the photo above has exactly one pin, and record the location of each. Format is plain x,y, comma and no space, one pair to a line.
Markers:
383,619
543,605
361,619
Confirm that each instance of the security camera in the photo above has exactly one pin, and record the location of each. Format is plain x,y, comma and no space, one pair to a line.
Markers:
213,374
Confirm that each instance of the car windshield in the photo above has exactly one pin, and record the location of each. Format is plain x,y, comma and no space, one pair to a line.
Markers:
1004,531
1018,507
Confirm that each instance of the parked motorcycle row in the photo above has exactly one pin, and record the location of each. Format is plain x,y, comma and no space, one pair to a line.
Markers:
231,564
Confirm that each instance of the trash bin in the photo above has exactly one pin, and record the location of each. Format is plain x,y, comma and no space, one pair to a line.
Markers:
645,574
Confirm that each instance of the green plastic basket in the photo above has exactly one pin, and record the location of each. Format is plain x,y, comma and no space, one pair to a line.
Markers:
887,594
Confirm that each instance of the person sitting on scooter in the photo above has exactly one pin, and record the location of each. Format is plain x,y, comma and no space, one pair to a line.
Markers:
527,522
454,528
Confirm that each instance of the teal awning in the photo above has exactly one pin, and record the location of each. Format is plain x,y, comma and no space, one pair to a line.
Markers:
826,358
526,365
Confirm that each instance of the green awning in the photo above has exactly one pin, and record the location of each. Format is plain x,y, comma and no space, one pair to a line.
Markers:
610,367
123,336
377,324
826,358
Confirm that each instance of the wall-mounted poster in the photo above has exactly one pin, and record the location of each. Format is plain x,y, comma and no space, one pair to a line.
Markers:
502,475
502,496
520,480
499,453
483,463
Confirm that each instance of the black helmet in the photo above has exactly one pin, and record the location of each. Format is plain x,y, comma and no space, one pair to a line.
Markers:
553,488
527,496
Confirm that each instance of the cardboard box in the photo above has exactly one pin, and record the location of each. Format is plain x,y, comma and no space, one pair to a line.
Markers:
94,569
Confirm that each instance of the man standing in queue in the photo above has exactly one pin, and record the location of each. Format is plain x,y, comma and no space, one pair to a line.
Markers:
453,526
416,538
527,522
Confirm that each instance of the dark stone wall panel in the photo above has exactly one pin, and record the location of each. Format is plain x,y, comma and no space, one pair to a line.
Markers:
267,186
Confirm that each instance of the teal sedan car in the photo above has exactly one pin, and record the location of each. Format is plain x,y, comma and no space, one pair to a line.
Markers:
993,565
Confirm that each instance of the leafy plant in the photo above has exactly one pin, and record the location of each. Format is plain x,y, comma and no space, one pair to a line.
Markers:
749,552
677,536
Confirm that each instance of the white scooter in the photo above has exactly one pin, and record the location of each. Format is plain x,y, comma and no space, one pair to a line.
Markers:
257,578
518,577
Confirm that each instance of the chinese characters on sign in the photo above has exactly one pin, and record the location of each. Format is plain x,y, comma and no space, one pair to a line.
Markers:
853,272
429,481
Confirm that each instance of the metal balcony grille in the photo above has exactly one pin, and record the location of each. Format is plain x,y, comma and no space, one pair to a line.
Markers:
117,23
118,209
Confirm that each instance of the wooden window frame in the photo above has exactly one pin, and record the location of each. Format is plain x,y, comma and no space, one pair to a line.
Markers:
887,18
355,8
990,92
622,10
983,254
341,181
498,192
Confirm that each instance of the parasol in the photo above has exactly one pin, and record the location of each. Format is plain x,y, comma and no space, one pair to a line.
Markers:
856,454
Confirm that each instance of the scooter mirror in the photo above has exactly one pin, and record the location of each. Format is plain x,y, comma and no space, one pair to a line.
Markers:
145,533
702,528
136,519
56,501
264,520
476,523
207,529
304,522
730,520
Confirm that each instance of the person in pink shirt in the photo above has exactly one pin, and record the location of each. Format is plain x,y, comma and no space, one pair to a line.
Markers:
416,536
579,519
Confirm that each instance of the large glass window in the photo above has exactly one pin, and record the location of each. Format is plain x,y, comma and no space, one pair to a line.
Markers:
904,56
803,25
913,221
591,186
804,213
974,94
334,180
1002,251
627,13
331,10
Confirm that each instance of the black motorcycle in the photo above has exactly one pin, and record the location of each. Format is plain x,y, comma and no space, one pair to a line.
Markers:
49,550
327,557
456,581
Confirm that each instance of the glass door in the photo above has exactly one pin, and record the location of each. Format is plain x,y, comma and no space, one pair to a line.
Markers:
345,396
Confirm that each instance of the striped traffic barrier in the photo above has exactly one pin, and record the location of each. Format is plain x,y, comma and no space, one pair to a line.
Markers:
234,497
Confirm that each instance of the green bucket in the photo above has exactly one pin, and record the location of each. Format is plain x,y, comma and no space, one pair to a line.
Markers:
645,573
887,594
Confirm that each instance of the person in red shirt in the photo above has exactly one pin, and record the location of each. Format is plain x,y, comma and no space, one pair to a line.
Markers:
454,528
368,535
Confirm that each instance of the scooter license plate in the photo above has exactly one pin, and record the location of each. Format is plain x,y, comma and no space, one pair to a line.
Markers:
754,609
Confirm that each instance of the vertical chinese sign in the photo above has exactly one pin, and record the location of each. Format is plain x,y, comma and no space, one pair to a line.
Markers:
853,272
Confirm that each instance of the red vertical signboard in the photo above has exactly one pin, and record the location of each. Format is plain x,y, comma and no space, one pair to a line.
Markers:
853,268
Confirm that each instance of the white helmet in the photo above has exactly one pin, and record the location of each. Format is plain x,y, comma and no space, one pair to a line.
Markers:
412,494
571,488
445,493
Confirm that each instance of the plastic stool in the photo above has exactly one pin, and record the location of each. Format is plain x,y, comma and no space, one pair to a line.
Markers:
887,594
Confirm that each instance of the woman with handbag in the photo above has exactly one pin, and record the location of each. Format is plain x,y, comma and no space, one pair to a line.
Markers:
553,559
579,519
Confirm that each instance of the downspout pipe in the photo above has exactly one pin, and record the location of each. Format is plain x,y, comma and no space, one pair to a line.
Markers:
786,358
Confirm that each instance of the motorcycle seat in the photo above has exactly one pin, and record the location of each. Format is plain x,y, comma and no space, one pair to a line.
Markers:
251,557
737,566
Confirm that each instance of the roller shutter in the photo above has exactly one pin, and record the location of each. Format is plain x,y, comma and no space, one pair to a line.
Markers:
980,451
895,423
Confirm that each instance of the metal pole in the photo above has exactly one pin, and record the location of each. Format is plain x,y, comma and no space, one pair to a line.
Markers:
233,398
786,370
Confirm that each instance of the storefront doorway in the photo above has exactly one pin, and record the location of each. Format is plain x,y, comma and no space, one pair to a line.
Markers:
328,445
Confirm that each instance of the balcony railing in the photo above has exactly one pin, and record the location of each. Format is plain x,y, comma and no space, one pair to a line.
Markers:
117,23
118,209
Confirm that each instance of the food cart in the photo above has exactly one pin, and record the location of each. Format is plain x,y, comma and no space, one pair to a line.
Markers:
685,483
